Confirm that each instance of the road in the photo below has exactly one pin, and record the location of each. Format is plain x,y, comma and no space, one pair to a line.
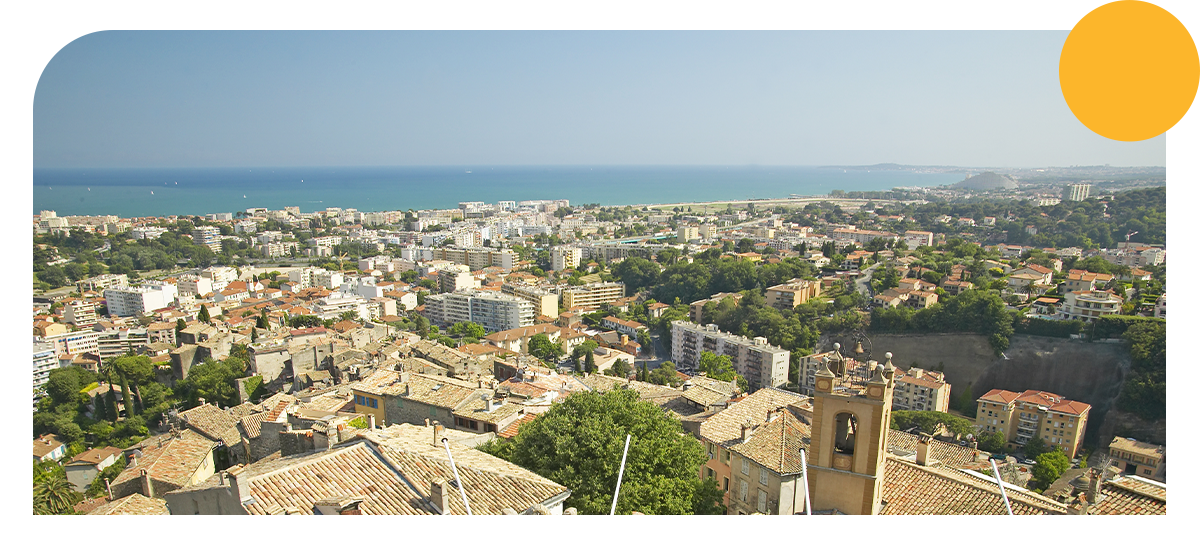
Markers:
861,284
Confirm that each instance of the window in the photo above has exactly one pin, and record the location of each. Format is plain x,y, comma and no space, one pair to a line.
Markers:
711,474
762,476
745,466
745,488
726,488
762,501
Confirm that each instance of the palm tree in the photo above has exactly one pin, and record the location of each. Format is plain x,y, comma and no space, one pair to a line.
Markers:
54,496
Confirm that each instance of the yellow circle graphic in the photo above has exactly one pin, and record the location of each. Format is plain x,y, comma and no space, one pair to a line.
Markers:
1129,70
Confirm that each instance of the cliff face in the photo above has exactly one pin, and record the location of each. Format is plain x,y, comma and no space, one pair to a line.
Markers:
1087,372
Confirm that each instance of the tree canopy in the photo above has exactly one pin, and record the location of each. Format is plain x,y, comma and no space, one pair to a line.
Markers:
578,443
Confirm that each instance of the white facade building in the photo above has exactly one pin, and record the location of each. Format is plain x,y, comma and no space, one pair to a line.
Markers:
132,301
494,311
760,363
565,258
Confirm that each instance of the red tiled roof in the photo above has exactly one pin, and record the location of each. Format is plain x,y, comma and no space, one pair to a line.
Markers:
998,395
512,429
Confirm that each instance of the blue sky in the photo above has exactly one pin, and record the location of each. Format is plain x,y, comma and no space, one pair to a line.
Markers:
287,98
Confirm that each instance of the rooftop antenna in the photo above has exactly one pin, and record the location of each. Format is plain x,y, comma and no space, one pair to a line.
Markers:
620,474
461,492
996,473
804,480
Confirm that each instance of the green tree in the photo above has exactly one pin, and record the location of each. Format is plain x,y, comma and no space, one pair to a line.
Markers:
179,327
664,374
620,368
541,347
928,421
263,322
1035,447
1050,466
578,443
55,496
720,367
203,315
991,441
589,362
212,380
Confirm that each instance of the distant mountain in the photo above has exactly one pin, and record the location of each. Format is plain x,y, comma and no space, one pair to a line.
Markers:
986,181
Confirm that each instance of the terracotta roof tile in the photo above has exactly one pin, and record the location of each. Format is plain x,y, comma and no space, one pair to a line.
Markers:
910,489
133,504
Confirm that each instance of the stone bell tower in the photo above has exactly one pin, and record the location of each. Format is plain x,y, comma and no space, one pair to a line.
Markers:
851,415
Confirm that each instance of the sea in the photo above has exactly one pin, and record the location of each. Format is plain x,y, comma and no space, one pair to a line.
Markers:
198,191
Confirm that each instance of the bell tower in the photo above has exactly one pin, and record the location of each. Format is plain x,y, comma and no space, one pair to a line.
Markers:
849,436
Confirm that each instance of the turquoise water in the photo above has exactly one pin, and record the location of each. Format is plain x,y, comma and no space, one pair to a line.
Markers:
157,192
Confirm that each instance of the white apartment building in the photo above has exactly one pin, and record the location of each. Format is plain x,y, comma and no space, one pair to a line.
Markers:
1078,192
118,342
245,226
1160,307
545,301
494,311
327,279
760,363
44,359
1088,306
325,241
191,285
97,283
78,342
147,232
456,278
592,295
366,287
565,258
221,276
337,303
914,238
80,314
208,236
133,301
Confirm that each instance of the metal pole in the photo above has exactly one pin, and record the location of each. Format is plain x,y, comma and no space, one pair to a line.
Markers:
996,473
461,492
804,480
620,474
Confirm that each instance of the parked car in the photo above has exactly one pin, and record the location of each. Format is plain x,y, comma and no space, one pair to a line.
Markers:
1028,462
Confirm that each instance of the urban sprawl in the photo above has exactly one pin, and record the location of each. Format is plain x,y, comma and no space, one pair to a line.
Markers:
787,356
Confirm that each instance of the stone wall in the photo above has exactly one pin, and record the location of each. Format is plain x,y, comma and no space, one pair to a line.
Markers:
1090,372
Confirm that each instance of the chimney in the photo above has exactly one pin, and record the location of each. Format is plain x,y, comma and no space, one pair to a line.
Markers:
772,415
147,484
439,496
108,487
371,420
238,482
923,458
1093,491
427,421
747,430
624,339
202,401
437,433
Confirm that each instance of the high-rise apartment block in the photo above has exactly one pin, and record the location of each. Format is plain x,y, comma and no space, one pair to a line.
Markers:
80,314
565,258
208,236
760,363
1078,192
494,311
592,295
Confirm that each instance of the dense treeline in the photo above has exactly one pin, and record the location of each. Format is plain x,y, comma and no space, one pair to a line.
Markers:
971,311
